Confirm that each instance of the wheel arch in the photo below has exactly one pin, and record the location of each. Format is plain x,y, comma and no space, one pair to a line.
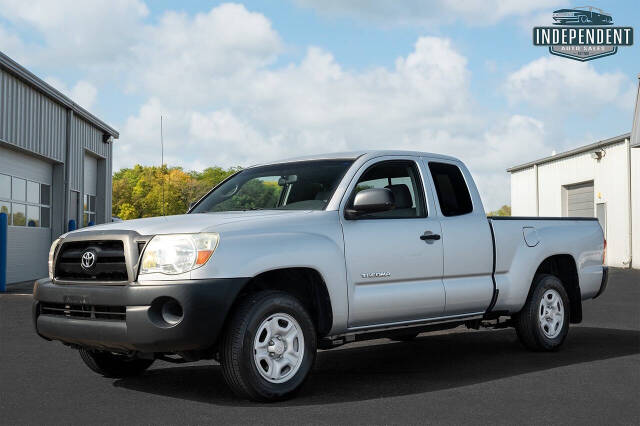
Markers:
563,266
304,283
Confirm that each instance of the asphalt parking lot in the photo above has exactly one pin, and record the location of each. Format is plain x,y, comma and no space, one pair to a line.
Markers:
453,378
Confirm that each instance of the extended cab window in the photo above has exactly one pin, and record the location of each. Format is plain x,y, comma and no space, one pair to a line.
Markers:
451,189
403,180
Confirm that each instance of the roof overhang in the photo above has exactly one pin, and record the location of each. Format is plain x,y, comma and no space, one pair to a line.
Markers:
580,150
29,78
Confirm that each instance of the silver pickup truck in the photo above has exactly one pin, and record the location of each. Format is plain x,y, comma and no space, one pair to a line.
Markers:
282,259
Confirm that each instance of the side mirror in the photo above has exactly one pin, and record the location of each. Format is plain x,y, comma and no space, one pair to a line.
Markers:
373,200
191,205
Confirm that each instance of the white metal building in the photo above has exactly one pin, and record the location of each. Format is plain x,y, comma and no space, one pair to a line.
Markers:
55,165
635,183
591,181
598,180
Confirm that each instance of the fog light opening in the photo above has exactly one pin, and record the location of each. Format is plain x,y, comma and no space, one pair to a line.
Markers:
171,312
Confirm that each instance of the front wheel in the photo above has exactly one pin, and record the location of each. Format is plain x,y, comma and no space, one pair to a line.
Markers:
543,322
269,347
114,365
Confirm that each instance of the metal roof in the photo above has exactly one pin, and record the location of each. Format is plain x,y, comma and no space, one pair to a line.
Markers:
582,149
29,78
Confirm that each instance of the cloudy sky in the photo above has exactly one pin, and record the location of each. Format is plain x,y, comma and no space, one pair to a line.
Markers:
241,83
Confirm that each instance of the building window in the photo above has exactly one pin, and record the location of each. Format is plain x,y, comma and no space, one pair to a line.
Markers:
18,189
89,209
27,203
5,208
5,187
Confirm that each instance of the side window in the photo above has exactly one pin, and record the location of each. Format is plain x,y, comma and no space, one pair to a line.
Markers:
403,179
451,188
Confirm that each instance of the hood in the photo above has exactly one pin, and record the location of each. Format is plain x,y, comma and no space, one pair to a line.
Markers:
188,223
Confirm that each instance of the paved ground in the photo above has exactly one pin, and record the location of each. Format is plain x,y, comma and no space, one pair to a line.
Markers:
460,377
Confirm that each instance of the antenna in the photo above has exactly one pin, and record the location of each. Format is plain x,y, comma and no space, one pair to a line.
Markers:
162,161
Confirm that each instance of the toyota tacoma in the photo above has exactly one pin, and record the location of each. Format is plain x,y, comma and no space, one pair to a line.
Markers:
282,259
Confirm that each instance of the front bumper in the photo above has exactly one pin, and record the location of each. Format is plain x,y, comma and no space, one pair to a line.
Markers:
205,305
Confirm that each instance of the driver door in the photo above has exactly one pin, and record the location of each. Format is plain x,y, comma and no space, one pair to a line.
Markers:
393,275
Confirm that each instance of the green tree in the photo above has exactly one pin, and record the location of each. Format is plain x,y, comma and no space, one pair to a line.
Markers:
502,211
138,191
253,194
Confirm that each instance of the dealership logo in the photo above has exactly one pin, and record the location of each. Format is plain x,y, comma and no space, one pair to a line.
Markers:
582,33
88,259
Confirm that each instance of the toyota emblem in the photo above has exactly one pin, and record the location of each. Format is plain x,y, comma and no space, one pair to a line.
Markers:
88,259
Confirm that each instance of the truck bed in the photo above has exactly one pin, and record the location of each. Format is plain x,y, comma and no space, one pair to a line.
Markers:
521,244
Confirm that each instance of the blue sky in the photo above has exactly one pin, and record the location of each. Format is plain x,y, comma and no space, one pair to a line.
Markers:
247,82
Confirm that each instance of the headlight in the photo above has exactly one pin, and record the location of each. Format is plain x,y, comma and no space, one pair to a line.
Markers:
52,253
177,253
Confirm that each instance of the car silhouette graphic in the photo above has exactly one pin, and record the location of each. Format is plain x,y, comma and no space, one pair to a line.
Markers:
583,15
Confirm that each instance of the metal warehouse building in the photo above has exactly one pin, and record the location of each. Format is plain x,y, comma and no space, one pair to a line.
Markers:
55,165
598,180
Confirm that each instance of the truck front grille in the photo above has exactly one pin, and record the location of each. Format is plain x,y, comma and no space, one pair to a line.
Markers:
110,263
93,312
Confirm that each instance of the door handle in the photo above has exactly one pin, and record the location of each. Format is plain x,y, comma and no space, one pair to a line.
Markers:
425,237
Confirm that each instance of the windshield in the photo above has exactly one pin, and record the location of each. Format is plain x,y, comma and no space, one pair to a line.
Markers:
305,185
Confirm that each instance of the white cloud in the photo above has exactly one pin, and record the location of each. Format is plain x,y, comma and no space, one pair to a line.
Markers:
212,77
422,103
186,57
81,32
12,44
428,13
561,86
83,93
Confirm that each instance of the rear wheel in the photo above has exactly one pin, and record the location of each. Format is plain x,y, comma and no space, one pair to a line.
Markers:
109,364
269,347
543,322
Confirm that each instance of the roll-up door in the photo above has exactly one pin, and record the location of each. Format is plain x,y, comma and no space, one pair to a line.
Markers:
580,200
25,195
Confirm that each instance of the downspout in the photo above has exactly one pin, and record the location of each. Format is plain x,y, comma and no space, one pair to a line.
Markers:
67,173
630,221
535,170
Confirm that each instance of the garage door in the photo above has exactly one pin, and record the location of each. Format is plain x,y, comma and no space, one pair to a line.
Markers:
580,200
25,195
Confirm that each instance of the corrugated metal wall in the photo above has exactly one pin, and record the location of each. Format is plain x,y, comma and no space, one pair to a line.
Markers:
523,192
84,137
30,120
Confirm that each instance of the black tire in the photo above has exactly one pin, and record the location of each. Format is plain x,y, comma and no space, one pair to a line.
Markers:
527,323
237,346
113,365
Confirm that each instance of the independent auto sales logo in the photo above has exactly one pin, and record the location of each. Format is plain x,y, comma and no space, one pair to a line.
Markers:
582,33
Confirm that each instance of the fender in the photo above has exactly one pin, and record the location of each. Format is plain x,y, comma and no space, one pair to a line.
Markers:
315,242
